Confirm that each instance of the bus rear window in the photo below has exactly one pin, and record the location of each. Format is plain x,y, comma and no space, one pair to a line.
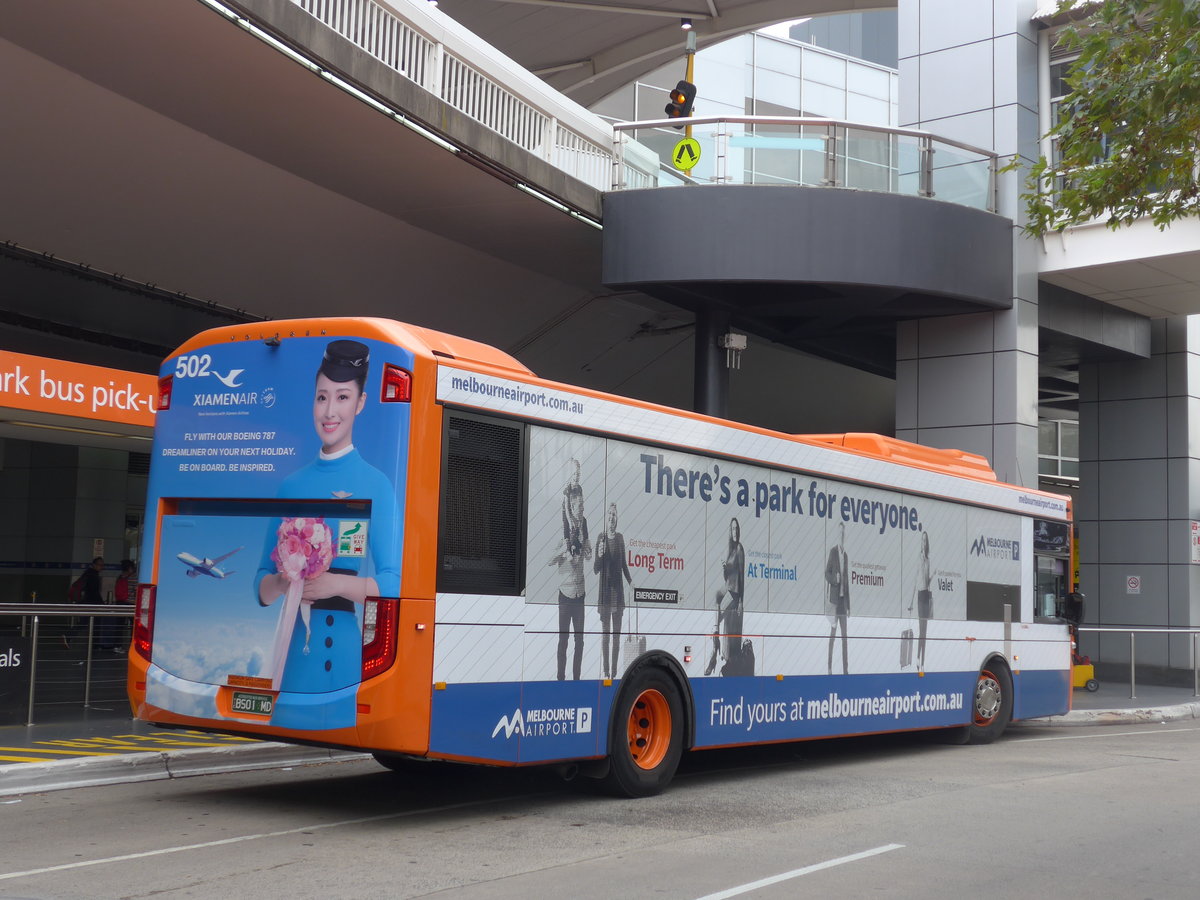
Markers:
483,506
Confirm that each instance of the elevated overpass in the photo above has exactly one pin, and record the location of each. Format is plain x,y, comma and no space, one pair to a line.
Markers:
201,161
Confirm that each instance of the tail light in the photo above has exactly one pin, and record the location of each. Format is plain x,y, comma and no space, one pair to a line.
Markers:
164,391
381,622
143,621
397,385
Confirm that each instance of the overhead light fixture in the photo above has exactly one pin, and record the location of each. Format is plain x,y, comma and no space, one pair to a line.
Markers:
685,24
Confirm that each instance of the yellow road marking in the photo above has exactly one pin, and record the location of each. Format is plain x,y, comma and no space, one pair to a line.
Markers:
140,741
42,758
228,737
119,744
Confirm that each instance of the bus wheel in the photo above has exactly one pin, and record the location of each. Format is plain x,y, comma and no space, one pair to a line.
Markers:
646,734
991,707
992,704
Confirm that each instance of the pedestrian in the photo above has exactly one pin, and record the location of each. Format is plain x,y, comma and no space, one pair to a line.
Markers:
109,632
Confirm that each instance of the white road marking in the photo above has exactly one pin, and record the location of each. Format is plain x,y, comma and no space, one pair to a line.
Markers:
1089,737
796,873
4,876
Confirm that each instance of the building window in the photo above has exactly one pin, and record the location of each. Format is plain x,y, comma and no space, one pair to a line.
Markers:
1058,448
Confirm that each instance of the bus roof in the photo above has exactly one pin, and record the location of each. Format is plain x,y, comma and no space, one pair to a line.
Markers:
470,355
422,341
958,462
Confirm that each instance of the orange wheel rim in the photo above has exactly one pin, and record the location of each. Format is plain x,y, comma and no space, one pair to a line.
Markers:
988,698
649,729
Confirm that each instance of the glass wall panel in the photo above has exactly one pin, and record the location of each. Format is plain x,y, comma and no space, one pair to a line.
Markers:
822,100
830,70
782,92
869,81
866,109
776,55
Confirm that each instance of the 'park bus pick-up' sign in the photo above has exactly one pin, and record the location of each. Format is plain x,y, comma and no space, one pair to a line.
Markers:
74,389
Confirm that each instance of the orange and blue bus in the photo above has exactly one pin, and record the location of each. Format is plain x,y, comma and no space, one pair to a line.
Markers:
369,535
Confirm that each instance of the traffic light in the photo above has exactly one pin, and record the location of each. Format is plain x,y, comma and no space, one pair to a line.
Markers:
682,98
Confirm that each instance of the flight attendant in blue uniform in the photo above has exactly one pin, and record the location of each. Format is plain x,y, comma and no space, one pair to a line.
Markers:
328,660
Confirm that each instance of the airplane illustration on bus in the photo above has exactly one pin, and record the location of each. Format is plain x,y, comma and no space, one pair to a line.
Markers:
206,566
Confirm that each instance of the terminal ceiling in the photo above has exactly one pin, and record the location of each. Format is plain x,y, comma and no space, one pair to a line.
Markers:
158,150
590,48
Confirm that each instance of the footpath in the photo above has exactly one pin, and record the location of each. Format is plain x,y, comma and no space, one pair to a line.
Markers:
98,747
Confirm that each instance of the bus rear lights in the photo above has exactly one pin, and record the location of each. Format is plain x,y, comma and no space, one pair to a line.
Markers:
420,626
164,392
397,385
143,621
363,709
381,622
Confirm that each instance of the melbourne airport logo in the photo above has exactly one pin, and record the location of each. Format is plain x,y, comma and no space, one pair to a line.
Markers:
551,722
996,548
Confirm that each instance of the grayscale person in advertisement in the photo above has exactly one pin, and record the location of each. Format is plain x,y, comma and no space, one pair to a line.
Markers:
572,551
729,599
611,566
923,592
837,597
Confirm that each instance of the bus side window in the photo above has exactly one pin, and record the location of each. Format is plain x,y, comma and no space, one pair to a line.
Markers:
482,531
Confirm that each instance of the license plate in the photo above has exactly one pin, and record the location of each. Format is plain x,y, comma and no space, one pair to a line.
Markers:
254,704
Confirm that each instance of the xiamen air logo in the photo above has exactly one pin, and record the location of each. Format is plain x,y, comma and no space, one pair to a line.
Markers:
996,548
551,722
230,380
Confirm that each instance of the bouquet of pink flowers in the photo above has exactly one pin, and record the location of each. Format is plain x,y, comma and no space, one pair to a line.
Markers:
304,549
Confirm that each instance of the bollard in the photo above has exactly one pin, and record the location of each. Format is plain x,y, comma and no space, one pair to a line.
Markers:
87,672
32,670
1132,680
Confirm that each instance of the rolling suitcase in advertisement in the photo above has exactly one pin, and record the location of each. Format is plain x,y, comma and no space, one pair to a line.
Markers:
906,642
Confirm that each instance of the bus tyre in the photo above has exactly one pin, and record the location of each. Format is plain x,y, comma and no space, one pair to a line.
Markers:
991,707
992,704
405,765
646,734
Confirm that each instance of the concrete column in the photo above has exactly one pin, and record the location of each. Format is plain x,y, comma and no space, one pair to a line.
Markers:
1139,491
710,373
968,71
970,382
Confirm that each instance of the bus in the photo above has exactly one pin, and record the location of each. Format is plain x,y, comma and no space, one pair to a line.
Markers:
369,535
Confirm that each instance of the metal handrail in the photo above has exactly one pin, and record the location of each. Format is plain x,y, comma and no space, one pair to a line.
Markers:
34,611
1133,631
834,134
67,609
432,50
804,120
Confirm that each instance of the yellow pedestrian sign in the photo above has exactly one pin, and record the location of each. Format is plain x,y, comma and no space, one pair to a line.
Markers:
686,154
